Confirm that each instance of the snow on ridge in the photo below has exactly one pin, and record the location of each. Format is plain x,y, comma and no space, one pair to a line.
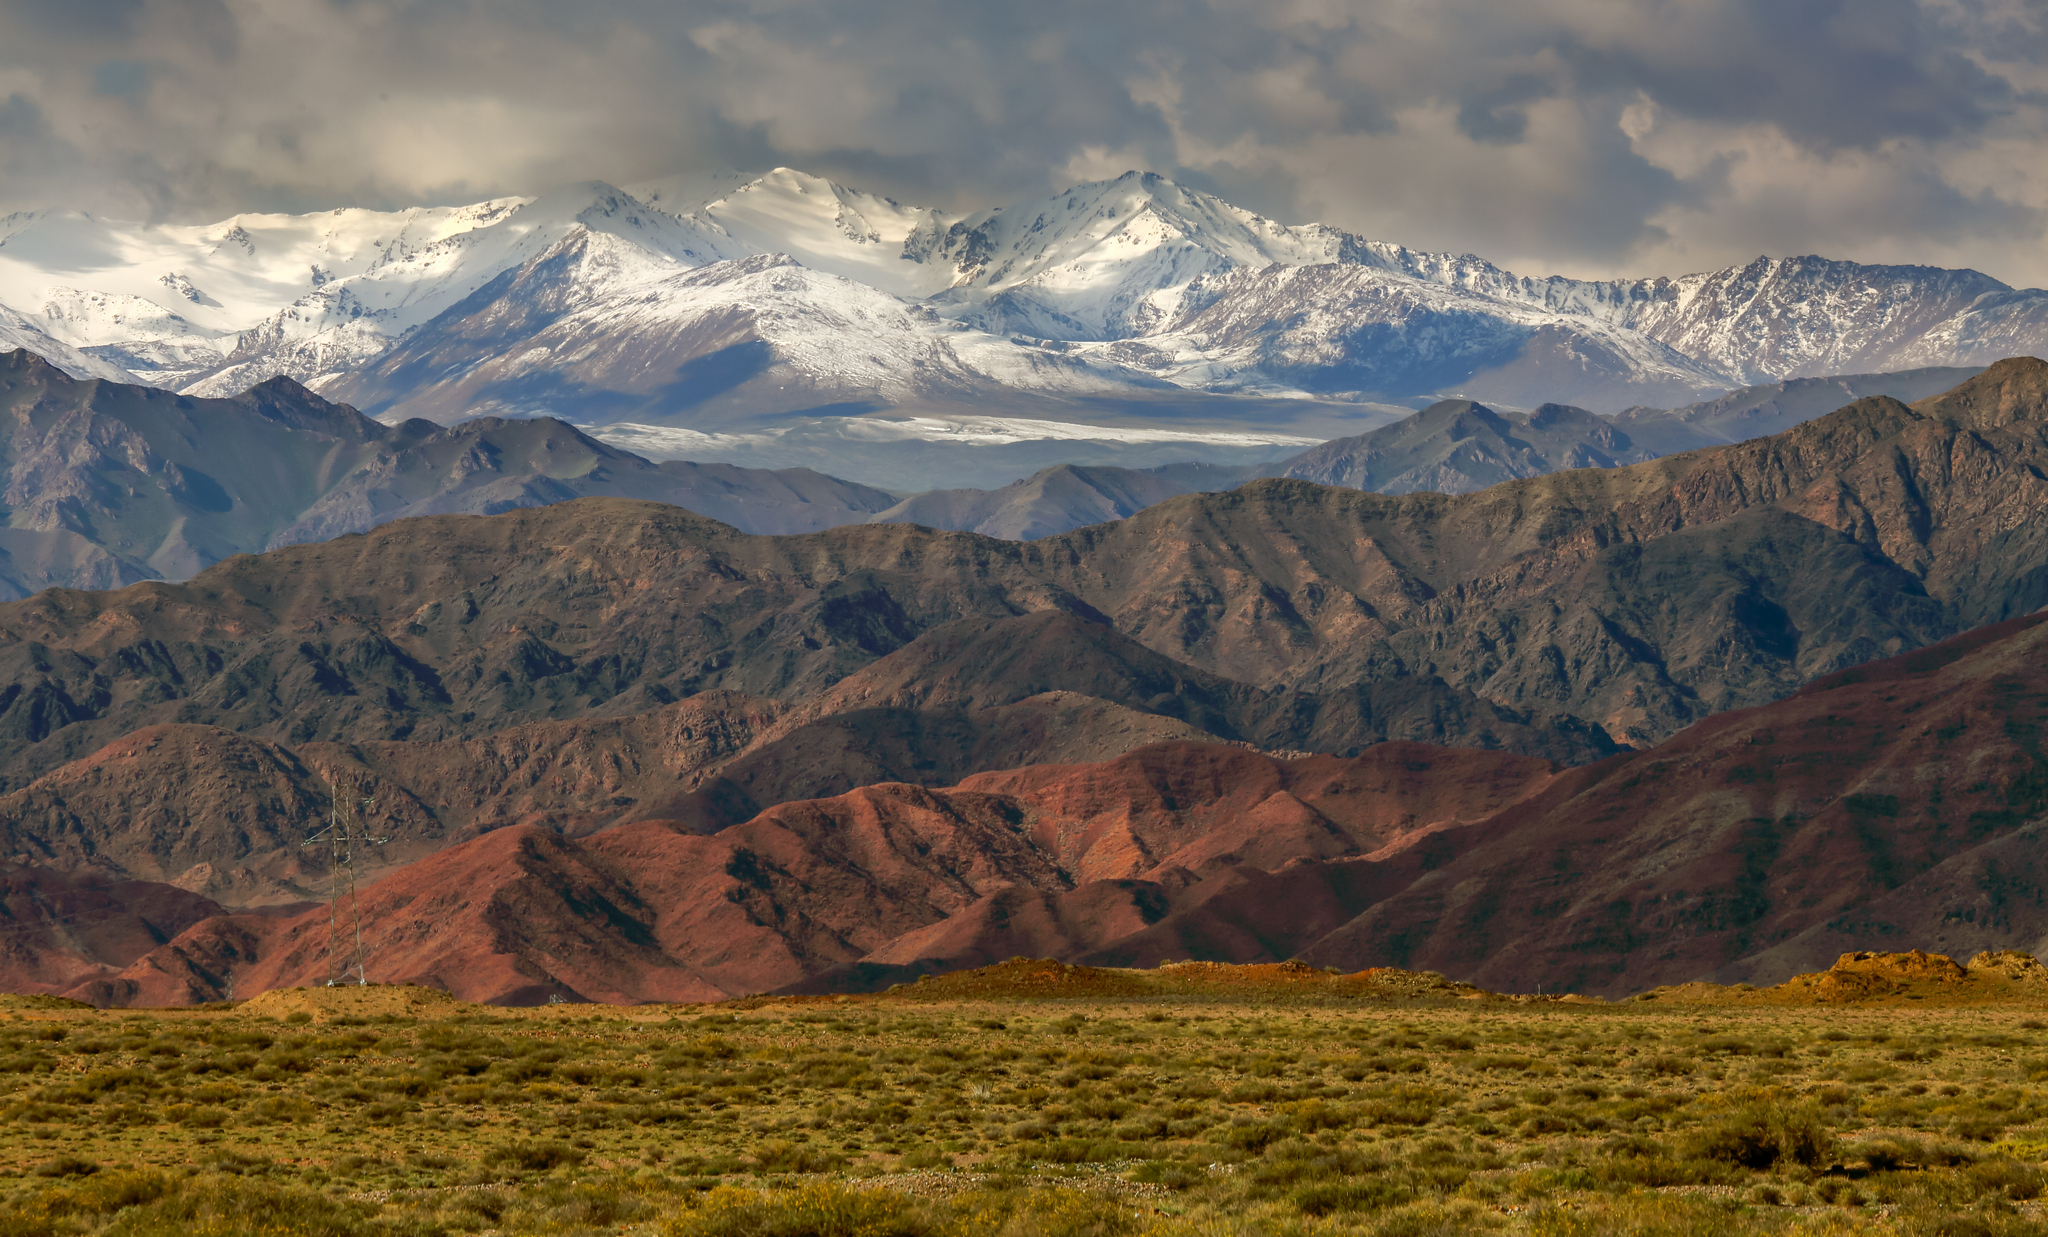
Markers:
1128,283
18,331
673,442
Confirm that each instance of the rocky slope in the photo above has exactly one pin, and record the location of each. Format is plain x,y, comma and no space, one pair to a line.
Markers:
1060,499
1457,446
207,809
60,928
1774,407
1897,804
107,483
592,668
647,912
1548,615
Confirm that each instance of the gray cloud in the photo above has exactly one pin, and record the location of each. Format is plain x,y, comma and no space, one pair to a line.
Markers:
1588,136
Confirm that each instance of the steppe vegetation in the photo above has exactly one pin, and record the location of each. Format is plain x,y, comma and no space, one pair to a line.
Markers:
947,1107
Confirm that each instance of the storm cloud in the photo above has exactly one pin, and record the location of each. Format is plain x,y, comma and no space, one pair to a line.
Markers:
1584,137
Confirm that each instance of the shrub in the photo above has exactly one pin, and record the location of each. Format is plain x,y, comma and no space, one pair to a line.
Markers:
1323,1198
926,1157
1167,1173
1085,1151
239,1207
1646,1216
67,1166
1252,1136
533,1157
1764,1132
2010,1178
822,1210
1887,1154
1666,1066
783,1156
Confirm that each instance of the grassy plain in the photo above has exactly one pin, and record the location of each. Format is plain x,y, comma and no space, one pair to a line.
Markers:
950,1108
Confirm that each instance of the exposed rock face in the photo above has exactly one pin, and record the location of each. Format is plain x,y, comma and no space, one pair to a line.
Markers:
587,670
1774,407
59,929
226,815
1060,499
106,484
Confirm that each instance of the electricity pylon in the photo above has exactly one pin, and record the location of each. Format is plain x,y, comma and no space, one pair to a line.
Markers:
344,835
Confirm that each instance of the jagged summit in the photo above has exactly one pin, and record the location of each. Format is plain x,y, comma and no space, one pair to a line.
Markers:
1091,298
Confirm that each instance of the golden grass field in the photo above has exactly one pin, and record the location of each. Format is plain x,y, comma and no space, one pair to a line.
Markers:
1032,1099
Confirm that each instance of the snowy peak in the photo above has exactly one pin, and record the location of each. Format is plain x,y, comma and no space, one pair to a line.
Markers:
1108,259
614,212
1110,222
831,228
1132,285
686,193
1778,317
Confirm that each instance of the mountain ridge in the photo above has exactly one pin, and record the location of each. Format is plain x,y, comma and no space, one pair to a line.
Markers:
1553,614
110,484
1110,289
84,515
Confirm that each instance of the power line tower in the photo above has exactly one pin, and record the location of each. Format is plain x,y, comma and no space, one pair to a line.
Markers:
344,836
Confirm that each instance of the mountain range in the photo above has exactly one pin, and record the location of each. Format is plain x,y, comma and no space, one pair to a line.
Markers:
781,317
1136,578
1720,713
1569,609
108,483
1755,846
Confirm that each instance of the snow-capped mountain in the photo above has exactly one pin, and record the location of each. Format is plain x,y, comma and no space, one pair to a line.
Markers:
703,301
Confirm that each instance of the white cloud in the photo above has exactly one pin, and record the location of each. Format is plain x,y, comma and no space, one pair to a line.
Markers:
1585,136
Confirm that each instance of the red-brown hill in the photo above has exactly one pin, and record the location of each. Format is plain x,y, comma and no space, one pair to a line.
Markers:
595,663
649,912
225,813
1900,804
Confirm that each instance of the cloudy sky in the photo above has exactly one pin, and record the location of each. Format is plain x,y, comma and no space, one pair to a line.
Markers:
1585,137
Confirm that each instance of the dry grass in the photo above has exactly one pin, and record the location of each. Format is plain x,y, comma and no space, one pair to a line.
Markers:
1316,1110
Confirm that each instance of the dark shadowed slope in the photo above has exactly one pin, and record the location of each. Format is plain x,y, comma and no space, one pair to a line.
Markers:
1060,499
1455,447
646,912
224,813
1895,805
106,484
